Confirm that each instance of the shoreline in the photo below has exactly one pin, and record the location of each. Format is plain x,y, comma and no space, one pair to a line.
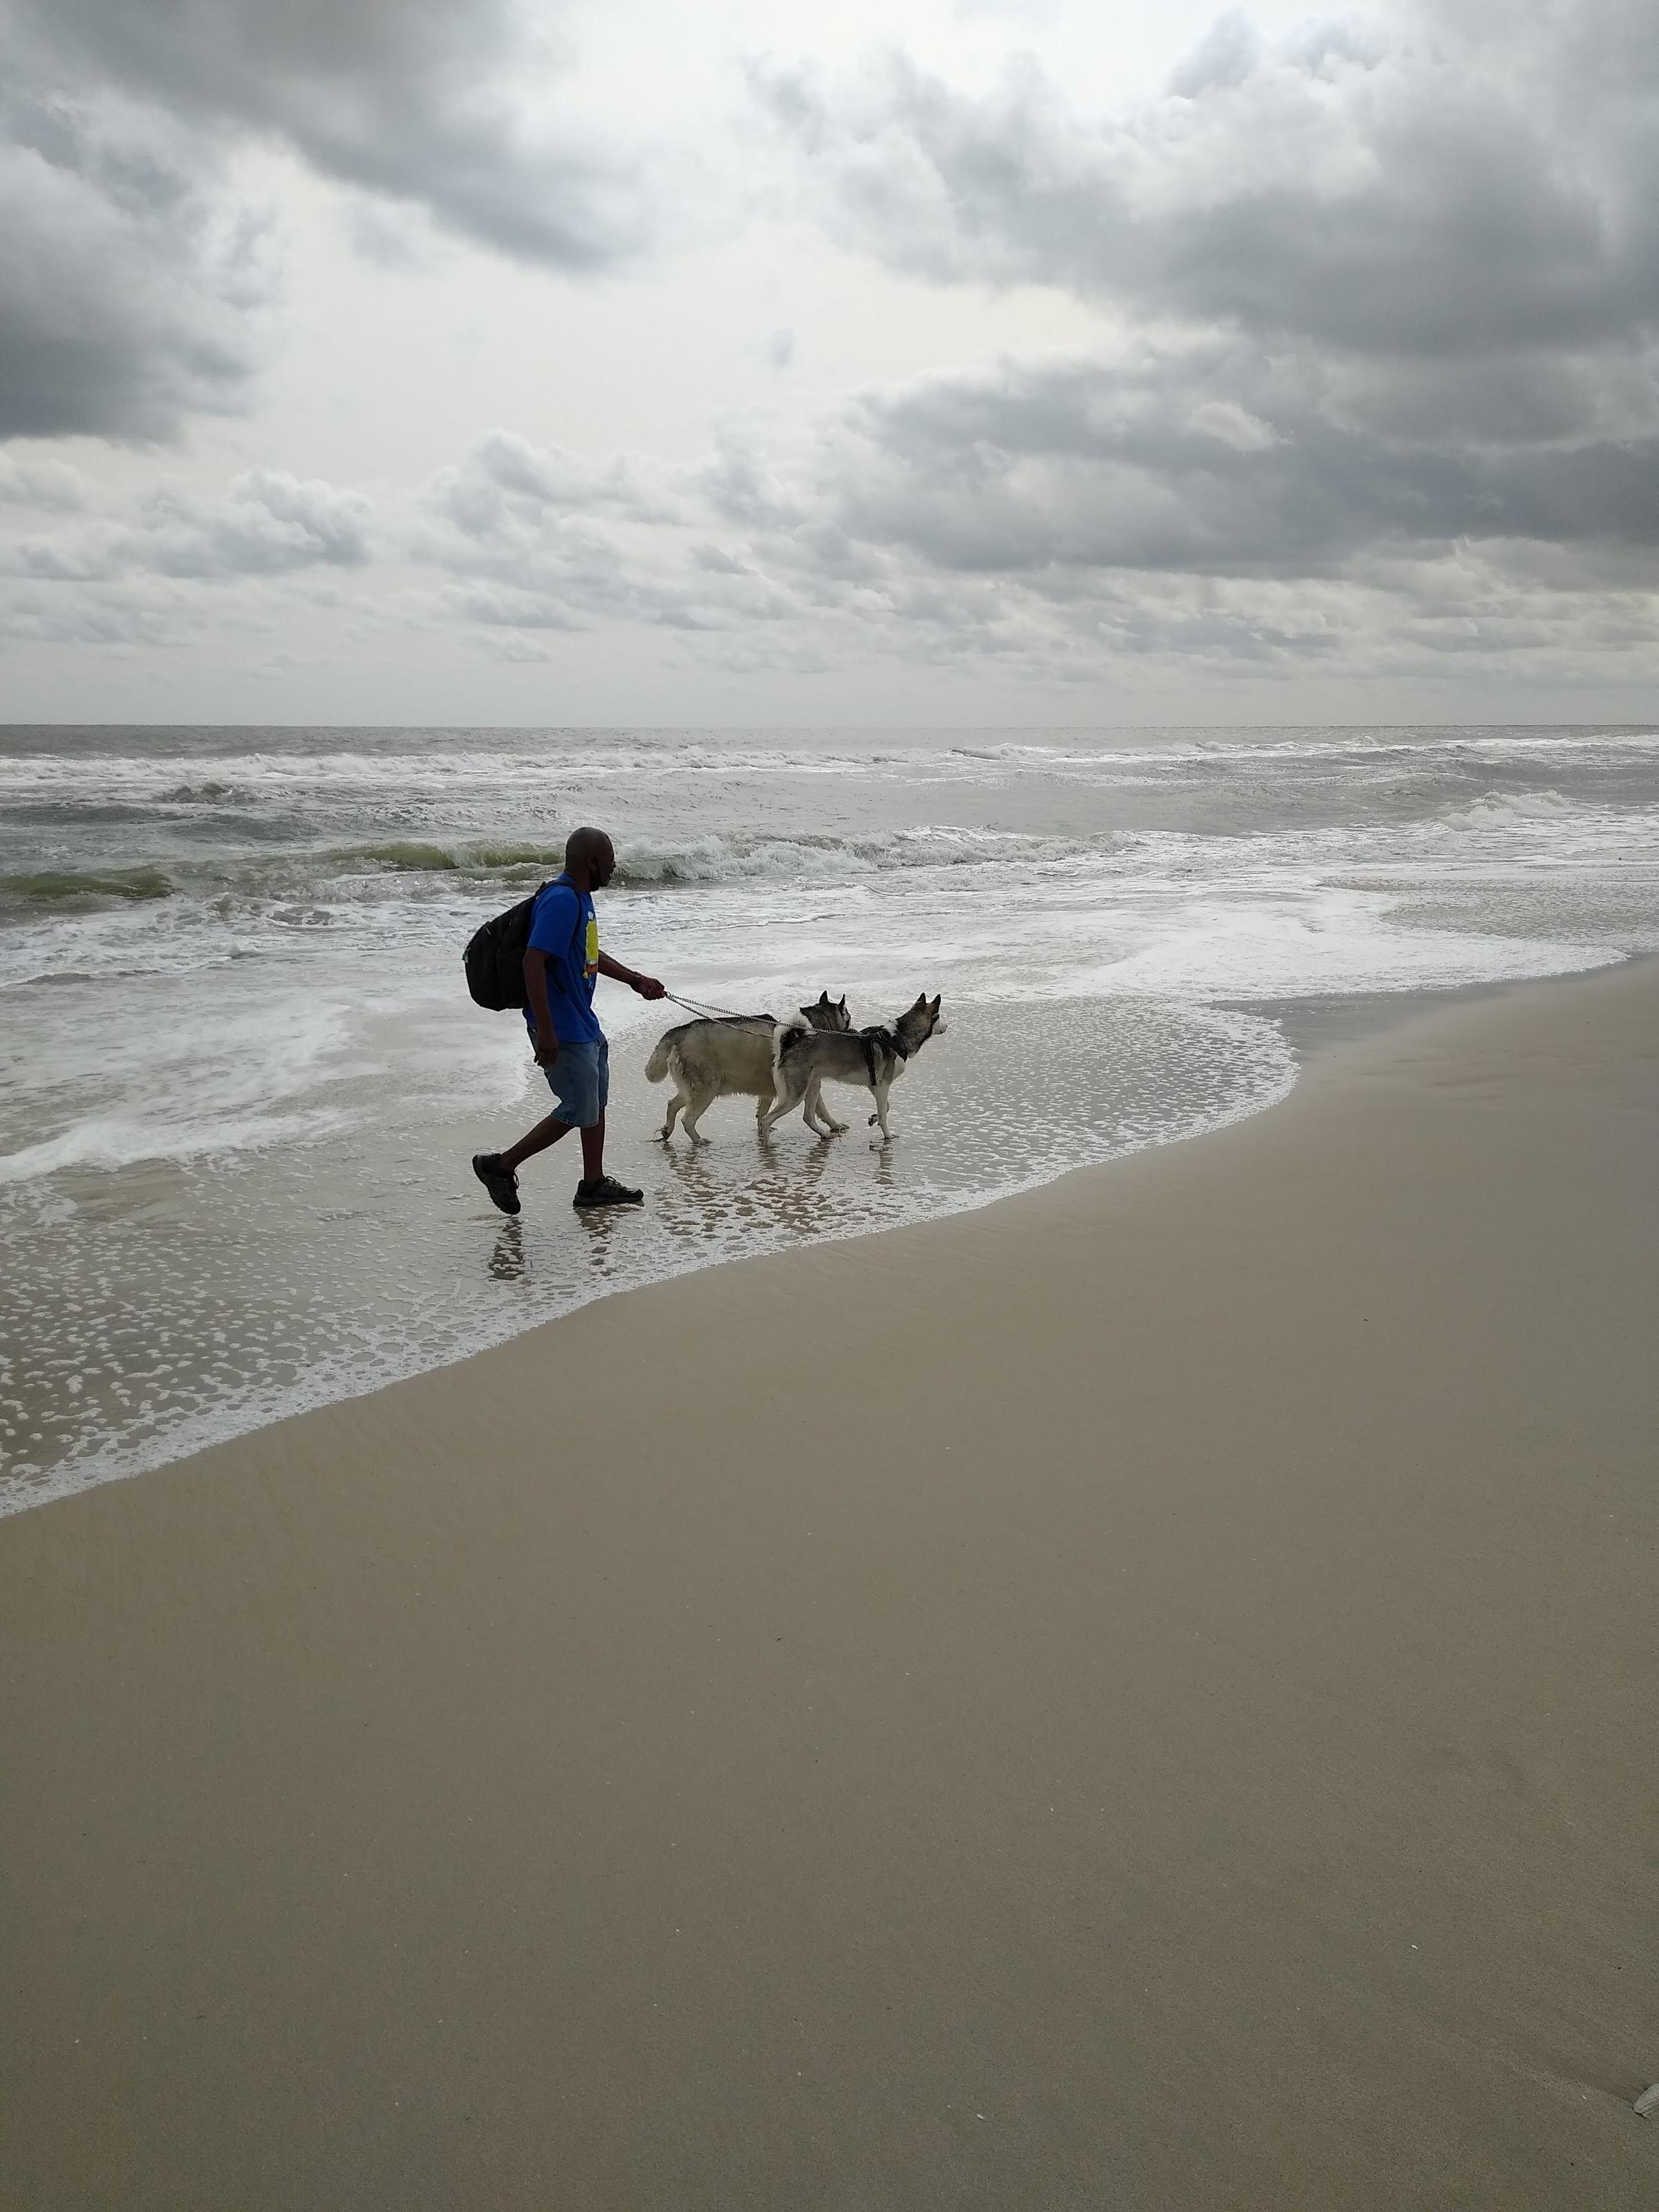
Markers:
1311,1029
1129,1694
780,1210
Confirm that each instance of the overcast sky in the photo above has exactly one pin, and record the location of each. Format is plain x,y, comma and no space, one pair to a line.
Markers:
466,360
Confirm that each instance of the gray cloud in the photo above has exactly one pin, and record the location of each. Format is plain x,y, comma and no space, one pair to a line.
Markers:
1206,457
1184,501
131,276
1379,353
426,100
130,281
1203,502
1421,193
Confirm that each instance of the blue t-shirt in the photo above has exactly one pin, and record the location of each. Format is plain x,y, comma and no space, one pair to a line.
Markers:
563,925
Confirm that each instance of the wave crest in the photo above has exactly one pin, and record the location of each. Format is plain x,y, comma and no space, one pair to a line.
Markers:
642,865
1495,810
48,887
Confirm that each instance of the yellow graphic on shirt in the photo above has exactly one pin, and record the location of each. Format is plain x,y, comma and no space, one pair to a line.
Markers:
591,968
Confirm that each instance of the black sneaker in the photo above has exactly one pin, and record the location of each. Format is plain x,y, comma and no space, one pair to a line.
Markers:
501,1184
607,1191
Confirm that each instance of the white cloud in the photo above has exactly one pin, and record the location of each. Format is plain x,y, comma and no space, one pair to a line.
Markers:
1049,519
49,486
268,524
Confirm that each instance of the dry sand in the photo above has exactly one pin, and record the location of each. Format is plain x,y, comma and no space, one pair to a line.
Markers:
1140,1697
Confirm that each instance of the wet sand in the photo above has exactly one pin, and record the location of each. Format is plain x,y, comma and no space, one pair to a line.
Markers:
1141,1696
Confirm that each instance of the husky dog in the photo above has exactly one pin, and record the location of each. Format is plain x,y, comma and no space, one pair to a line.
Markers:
873,1059
733,1057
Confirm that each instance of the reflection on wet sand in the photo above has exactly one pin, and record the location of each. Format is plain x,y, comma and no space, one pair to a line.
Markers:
602,1227
505,1261
715,1196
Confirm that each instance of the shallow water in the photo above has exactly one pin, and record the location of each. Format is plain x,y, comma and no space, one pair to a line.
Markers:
240,1078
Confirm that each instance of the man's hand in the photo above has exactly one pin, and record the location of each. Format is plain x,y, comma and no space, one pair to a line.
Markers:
547,1047
648,987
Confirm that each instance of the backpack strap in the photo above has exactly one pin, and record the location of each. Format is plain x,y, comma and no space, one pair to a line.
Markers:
552,884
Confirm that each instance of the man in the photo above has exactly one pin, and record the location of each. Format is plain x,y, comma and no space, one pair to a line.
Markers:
559,970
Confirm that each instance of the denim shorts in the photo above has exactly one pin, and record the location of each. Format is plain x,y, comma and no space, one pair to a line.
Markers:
580,1080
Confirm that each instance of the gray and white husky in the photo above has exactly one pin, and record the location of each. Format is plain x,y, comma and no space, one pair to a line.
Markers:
734,1057
873,1059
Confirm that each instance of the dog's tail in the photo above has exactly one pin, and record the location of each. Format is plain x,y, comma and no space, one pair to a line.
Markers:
657,1066
784,1036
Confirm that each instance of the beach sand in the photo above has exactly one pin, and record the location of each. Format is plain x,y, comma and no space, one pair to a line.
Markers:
1138,1696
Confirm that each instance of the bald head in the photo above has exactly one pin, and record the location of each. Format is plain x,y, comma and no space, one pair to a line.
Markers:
590,859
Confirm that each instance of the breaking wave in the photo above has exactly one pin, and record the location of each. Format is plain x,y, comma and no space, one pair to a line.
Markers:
724,858
52,887
643,864
1499,810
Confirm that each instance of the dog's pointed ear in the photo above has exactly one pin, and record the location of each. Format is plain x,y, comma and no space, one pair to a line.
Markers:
939,1000
823,998
841,1002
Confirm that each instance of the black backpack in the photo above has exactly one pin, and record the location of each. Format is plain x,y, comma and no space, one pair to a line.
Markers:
493,958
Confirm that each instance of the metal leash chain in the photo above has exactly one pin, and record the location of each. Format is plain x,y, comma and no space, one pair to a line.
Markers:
713,1013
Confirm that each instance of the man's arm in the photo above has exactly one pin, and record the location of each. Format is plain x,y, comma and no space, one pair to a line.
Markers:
647,986
535,991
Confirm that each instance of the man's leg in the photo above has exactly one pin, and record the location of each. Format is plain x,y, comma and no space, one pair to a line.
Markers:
593,1152
596,1187
584,1081
544,1134
499,1171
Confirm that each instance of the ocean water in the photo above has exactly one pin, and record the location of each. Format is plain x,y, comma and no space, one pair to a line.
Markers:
240,1078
